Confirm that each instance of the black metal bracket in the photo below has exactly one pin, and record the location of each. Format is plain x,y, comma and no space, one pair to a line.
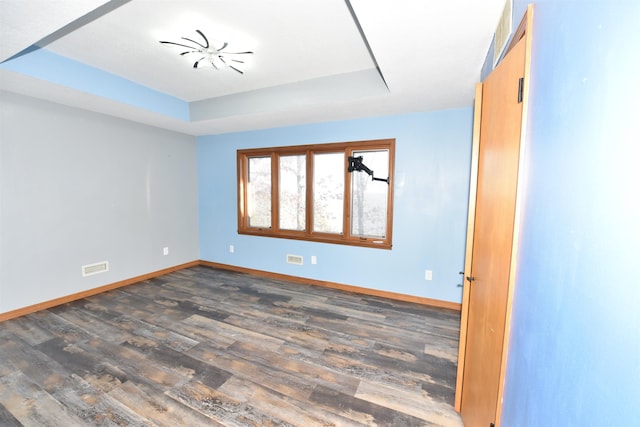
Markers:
355,164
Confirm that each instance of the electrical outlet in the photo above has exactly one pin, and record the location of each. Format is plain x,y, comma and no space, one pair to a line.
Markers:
231,249
314,259
428,275
165,251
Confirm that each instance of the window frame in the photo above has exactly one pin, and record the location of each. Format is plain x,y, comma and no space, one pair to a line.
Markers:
345,238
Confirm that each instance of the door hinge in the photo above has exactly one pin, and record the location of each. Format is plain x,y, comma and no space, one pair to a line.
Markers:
492,425
520,89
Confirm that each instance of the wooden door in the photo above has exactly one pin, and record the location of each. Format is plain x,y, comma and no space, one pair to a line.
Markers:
493,237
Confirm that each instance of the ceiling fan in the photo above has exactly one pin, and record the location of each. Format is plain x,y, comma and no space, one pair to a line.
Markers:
210,55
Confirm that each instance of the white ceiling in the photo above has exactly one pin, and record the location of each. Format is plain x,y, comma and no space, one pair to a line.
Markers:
314,60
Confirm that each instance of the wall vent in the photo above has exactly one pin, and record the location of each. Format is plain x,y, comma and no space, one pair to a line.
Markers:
294,259
503,32
91,269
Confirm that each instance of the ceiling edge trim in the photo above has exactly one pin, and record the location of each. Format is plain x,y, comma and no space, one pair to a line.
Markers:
366,42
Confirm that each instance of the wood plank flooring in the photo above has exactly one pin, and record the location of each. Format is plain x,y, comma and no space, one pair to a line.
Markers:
202,346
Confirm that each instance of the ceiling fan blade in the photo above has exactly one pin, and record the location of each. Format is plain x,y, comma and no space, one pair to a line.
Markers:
193,41
195,64
178,44
223,46
224,61
190,51
239,53
205,39
231,66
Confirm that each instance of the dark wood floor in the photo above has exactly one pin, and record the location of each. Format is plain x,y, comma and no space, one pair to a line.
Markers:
208,347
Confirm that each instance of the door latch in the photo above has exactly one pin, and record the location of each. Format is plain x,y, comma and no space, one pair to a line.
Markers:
469,278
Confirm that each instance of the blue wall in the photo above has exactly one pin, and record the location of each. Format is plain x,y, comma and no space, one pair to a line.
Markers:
433,154
574,357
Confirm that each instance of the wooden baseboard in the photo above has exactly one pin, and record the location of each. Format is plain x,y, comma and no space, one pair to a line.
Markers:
89,292
302,280
349,288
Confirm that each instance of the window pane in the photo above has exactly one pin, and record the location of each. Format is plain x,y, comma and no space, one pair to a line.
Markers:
328,192
259,192
292,187
368,197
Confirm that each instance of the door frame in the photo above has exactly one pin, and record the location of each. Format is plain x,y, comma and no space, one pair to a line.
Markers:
471,216
523,30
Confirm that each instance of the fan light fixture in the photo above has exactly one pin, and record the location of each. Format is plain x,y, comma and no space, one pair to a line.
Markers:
209,55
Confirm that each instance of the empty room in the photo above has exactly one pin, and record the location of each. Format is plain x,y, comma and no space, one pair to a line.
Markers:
319,213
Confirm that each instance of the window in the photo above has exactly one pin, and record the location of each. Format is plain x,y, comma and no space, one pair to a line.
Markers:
334,193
